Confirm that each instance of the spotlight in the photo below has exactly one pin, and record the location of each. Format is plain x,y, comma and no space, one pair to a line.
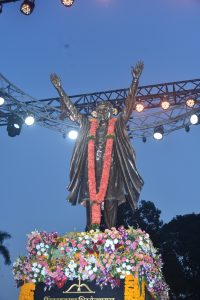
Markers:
2,100
190,102
139,106
187,128
165,104
27,7
67,3
29,120
194,119
14,125
73,134
158,132
144,139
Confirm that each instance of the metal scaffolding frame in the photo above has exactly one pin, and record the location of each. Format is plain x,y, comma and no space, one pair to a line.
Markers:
47,111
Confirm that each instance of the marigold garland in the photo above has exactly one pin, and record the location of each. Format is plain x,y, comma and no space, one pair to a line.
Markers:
98,197
27,291
132,289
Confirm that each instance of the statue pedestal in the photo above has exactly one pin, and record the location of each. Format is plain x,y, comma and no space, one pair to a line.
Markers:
128,290
116,264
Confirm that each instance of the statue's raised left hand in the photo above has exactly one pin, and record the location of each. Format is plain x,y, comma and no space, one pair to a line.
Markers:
55,80
137,70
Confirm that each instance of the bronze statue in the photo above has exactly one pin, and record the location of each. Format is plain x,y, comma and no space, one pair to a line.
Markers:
124,181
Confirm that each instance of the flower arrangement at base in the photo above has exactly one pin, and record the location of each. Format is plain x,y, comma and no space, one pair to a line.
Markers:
103,257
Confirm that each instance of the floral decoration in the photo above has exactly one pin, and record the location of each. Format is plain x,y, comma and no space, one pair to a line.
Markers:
104,257
98,197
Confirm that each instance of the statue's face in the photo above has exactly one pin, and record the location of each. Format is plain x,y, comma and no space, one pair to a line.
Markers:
104,112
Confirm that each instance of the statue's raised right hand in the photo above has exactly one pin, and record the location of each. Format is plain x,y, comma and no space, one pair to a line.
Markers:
55,80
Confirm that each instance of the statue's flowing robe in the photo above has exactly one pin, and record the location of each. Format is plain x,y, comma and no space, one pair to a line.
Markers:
124,181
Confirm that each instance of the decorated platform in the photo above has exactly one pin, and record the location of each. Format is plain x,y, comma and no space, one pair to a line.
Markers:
115,264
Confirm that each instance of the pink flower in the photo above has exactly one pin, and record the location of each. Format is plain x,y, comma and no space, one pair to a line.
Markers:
134,245
123,259
128,242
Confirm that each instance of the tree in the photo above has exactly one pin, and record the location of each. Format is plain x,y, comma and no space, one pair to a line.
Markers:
146,217
3,250
178,242
180,248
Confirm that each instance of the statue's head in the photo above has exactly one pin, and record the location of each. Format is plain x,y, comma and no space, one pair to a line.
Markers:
104,111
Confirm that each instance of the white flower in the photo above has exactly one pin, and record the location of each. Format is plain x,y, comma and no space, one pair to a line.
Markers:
87,242
37,247
72,265
92,259
95,269
39,266
122,276
84,277
62,248
128,272
33,269
118,270
67,272
37,270
80,238
35,264
90,272
39,253
33,280
110,244
128,267
35,275
115,241
43,272
41,245
43,250
124,265
47,246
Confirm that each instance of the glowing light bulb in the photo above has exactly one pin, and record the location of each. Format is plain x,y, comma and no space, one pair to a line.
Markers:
2,100
139,107
190,102
29,120
194,119
73,134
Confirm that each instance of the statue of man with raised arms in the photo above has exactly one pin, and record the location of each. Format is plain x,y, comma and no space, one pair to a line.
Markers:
103,172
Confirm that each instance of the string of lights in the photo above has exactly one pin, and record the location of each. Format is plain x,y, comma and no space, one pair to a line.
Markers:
27,6
160,109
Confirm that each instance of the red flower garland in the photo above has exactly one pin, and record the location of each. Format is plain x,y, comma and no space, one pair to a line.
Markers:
98,198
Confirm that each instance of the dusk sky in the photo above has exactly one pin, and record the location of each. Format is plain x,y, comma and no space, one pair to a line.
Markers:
92,47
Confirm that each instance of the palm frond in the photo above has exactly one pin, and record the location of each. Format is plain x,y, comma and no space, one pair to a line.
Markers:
4,251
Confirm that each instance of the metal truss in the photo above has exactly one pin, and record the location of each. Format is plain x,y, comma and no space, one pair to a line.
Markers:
47,111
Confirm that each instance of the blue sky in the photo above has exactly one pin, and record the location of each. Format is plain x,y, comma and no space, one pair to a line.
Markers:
105,38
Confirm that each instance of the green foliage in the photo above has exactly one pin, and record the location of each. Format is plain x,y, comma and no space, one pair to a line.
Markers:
178,242
180,247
